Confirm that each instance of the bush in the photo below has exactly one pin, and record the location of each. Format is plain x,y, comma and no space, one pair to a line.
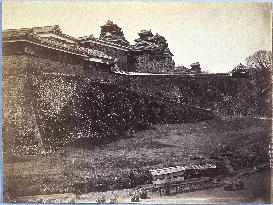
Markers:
113,200
101,199
143,194
135,198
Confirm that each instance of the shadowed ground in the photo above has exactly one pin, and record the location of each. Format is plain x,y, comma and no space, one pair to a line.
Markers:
159,146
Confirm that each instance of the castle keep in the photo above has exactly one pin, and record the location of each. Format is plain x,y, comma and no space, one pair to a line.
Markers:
150,53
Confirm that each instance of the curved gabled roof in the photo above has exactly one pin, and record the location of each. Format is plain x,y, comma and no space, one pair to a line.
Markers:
15,33
195,64
170,170
22,32
91,38
71,44
99,54
239,68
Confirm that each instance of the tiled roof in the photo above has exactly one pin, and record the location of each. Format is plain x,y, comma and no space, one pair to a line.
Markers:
195,64
146,32
167,51
86,38
240,67
169,170
99,54
94,39
144,45
148,41
15,33
47,29
22,32
109,23
52,41
32,34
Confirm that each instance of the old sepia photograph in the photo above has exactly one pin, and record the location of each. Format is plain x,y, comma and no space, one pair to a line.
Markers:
137,102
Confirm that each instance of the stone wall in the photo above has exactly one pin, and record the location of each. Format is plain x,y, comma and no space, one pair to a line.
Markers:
27,96
224,95
47,104
152,63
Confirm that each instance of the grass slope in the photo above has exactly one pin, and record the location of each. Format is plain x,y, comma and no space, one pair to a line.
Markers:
98,167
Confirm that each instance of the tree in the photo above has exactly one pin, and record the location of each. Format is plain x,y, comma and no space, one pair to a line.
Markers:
261,60
260,66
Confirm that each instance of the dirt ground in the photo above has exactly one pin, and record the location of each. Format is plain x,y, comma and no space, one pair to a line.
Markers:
257,190
157,147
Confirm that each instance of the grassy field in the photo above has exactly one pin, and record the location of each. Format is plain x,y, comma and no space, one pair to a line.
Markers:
82,163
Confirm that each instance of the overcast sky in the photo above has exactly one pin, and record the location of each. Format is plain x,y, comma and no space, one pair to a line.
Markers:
218,35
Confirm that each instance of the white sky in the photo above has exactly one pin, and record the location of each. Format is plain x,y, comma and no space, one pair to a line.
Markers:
218,35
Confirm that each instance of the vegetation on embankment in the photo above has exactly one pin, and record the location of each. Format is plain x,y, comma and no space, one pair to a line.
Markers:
225,96
123,163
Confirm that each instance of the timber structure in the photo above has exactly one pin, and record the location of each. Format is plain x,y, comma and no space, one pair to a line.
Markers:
49,42
110,52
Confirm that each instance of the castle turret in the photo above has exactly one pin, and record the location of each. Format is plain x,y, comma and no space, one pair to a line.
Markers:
240,71
196,67
151,53
113,33
145,34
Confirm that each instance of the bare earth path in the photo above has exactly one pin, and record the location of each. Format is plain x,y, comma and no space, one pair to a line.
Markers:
256,191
